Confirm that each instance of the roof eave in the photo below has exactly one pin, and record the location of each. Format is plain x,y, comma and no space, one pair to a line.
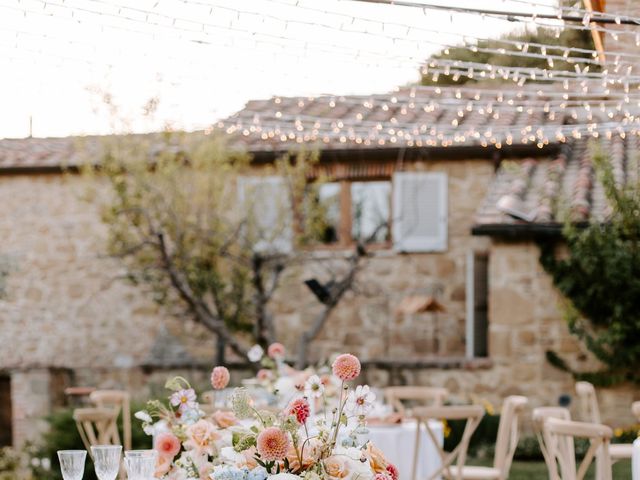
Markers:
518,231
412,153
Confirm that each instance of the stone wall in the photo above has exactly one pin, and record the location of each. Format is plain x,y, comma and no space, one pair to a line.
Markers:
67,307
367,324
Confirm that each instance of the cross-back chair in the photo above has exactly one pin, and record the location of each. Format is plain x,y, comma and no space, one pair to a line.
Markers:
539,416
506,443
559,440
118,401
471,413
425,396
591,413
97,426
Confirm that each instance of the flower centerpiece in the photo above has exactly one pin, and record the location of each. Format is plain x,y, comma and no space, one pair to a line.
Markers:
246,443
284,382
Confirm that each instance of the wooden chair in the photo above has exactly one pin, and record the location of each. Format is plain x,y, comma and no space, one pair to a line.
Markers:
591,413
540,415
559,439
434,396
97,426
471,413
118,401
506,443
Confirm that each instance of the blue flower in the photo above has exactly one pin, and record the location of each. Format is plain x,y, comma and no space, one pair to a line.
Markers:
258,473
230,473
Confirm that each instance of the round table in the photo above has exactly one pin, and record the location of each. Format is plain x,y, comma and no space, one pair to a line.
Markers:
397,442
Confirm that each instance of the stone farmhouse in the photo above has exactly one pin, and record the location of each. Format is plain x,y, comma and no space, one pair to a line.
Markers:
464,221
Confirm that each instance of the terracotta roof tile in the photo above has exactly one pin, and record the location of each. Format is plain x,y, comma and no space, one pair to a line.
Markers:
546,190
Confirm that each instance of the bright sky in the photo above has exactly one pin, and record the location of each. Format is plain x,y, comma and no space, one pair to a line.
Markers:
204,59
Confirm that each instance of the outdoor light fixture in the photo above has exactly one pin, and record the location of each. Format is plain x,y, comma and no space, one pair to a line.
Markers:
320,291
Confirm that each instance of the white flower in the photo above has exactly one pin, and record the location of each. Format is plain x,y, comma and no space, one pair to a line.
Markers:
284,476
360,401
255,353
313,387
143,416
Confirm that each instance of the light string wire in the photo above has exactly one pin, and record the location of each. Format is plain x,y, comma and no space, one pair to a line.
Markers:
532,73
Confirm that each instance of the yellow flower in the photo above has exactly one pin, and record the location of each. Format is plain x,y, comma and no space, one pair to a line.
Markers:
488,407
447,429
618,432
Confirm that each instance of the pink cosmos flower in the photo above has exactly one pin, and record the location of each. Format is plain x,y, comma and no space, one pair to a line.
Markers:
346,367
167,445
381,476
219,378
263,374
183,399
300,408
276,350
272,444
393,471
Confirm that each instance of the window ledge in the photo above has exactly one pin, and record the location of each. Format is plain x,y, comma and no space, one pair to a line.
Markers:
443,363
344,252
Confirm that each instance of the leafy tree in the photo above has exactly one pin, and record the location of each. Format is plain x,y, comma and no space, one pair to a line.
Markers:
543,36
600,277
176,221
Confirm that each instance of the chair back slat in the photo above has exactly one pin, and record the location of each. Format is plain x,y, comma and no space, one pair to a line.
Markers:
540,415
508,432
97,426
590,410
559,440
118,401
395,396
635,409
471,413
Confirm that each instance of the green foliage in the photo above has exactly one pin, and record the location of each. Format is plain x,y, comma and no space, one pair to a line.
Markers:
187,224
63,435
567,38
485,434
600,277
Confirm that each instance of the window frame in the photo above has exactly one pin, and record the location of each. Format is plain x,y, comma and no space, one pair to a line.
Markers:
345,238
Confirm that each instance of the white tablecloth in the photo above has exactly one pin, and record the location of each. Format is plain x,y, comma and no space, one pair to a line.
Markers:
397,443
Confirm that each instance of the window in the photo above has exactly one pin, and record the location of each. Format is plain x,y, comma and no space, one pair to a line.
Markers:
346,212
477,295
370,211
5,415
267,201
420,211
408,212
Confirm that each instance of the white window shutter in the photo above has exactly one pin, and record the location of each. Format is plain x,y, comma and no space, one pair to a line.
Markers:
266,200
420,211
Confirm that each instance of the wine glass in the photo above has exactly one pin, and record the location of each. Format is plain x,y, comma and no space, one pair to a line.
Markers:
106,461
72,463
140,464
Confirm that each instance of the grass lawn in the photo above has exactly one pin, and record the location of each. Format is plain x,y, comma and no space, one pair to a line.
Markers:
538,470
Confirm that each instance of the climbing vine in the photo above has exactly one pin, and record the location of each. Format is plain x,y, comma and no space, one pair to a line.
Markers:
600,277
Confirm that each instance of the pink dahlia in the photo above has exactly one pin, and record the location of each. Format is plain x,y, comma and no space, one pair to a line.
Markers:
381,476
276,350
346,367
300,408
272,444
219,378
393,472
167,445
